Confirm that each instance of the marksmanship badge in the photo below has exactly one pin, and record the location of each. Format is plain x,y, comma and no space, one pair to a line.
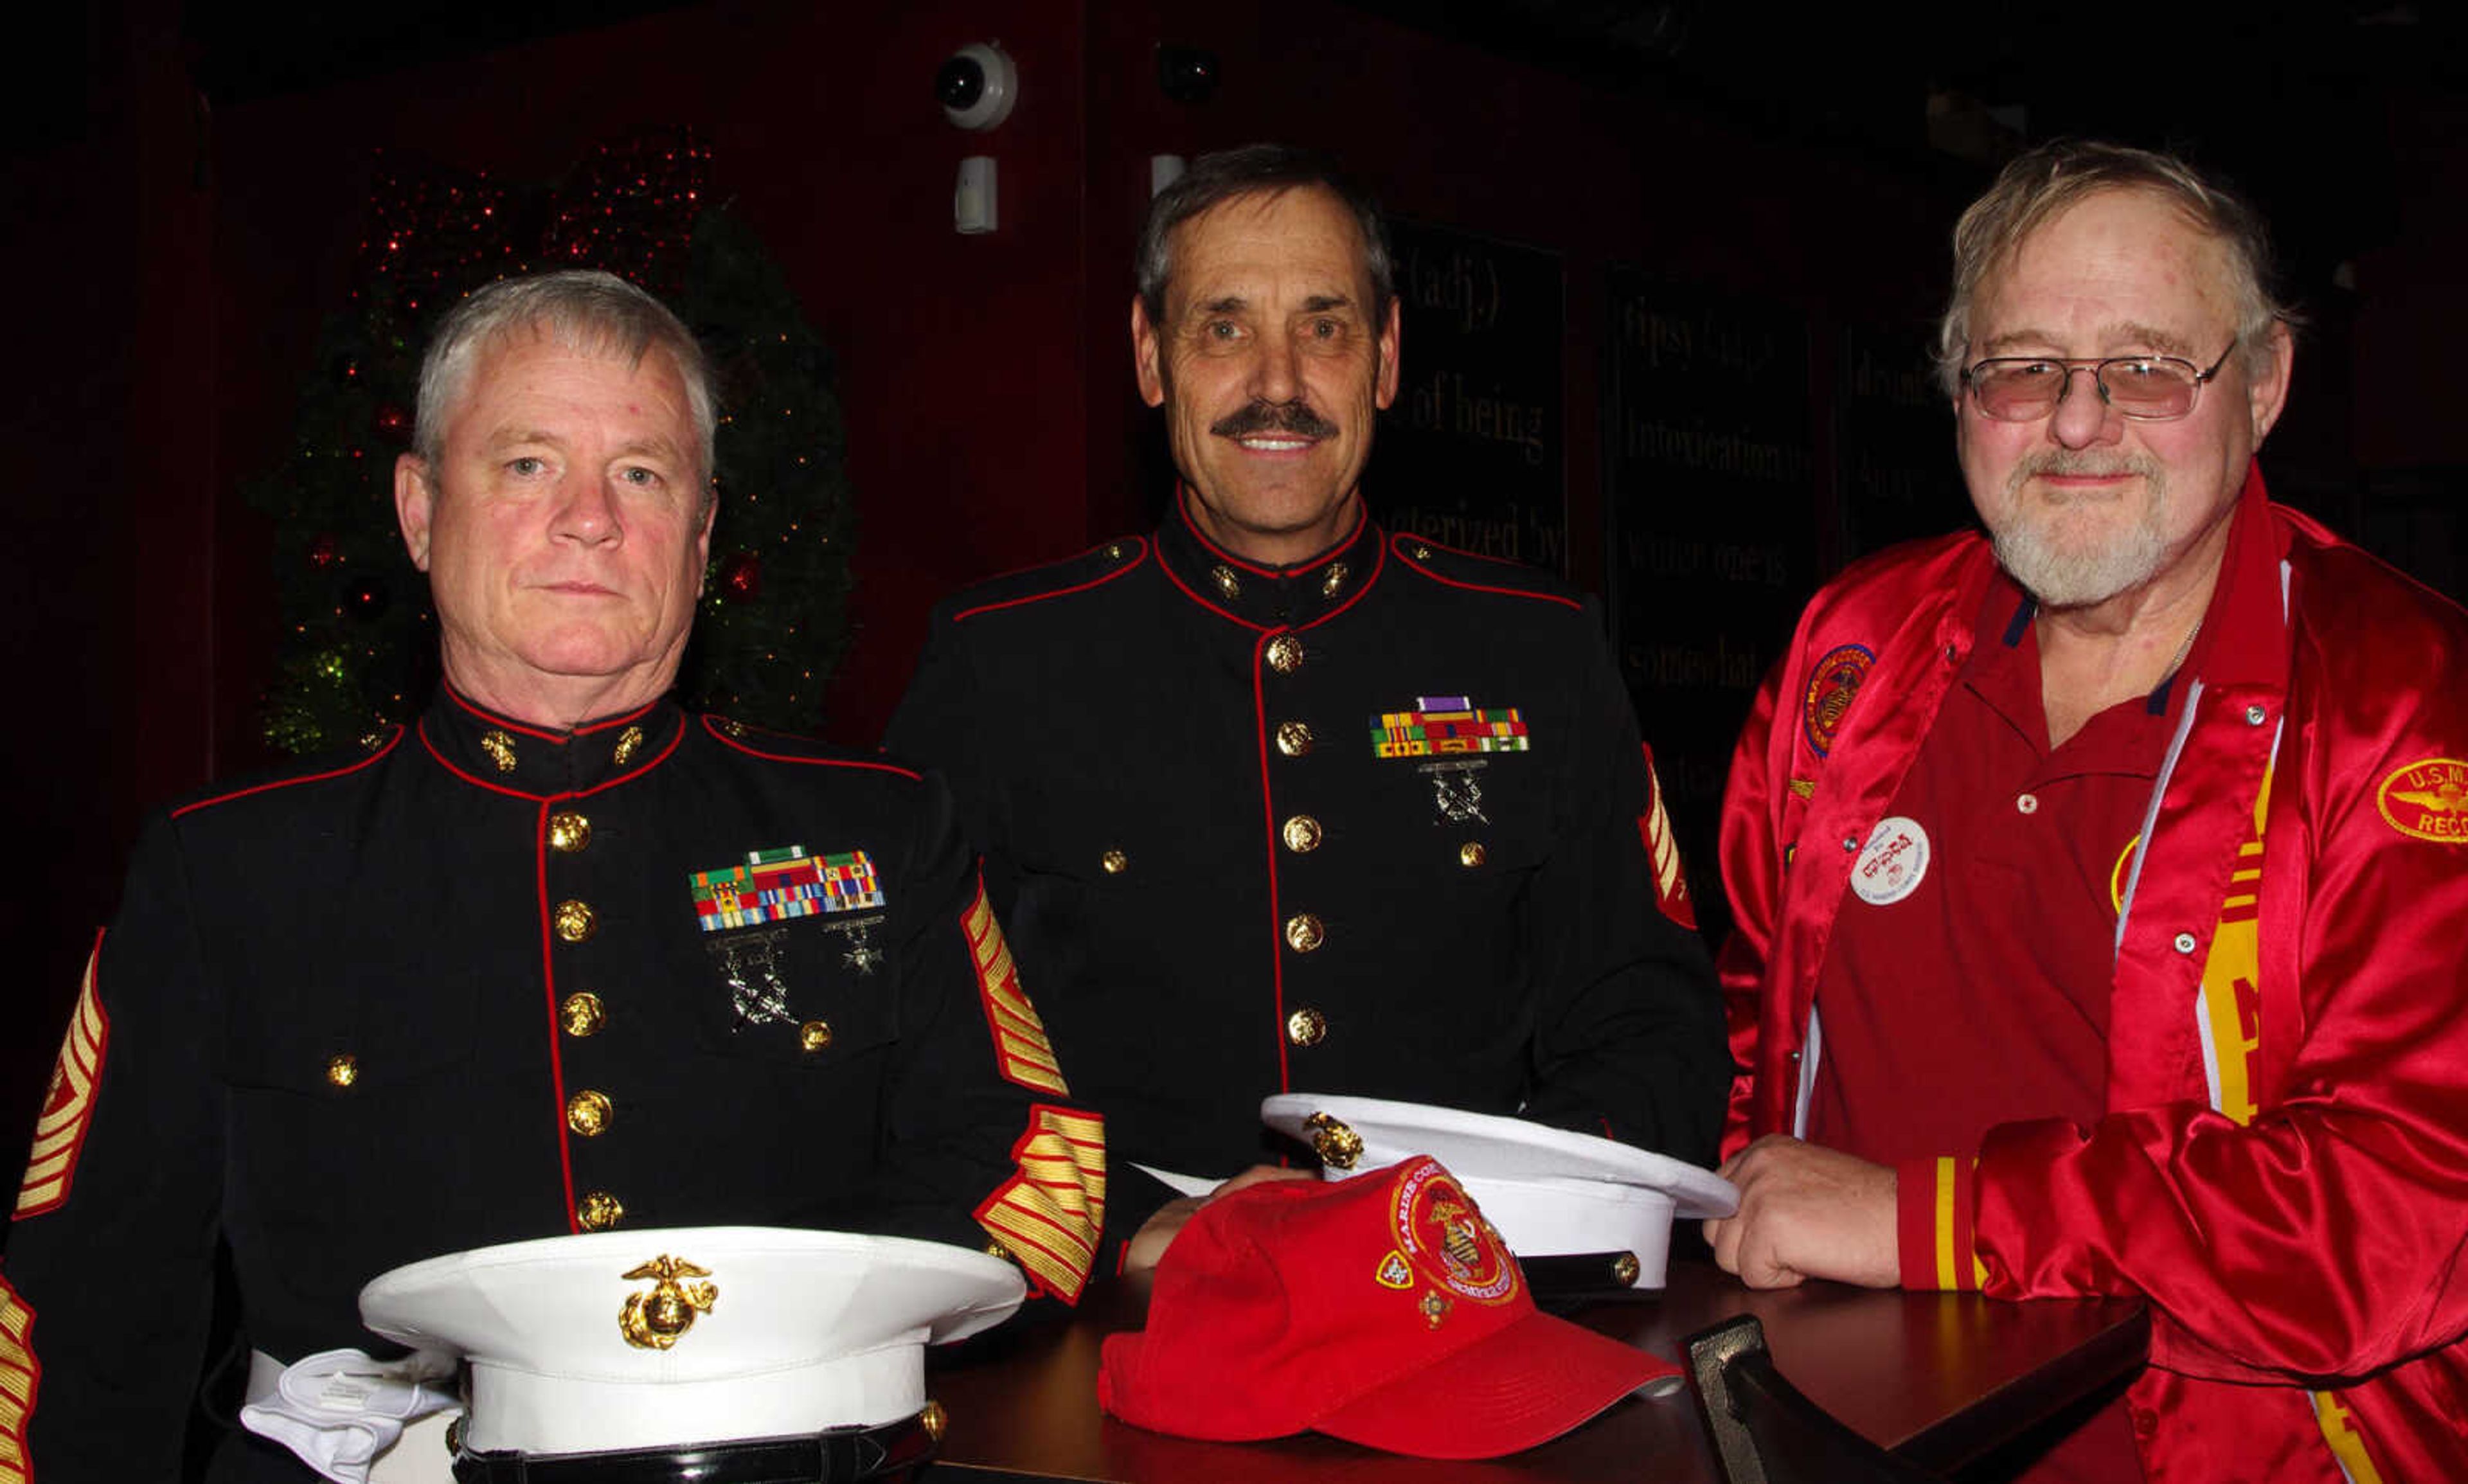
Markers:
1457,791
751,965
2427,800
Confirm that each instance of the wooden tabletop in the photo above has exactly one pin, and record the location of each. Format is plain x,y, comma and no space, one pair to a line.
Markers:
1939,1377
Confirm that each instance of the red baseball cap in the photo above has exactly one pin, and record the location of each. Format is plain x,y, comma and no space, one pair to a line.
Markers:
1381,1309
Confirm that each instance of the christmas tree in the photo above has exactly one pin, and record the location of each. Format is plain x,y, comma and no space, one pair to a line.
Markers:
359,639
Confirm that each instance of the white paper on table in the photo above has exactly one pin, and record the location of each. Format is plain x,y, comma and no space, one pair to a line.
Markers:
1179,1184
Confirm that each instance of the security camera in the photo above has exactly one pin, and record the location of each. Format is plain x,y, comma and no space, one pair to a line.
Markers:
976,85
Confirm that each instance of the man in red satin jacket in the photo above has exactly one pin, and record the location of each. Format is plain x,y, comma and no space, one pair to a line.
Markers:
2099,884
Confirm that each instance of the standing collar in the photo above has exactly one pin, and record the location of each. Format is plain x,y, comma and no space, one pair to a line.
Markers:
1294,596
519,757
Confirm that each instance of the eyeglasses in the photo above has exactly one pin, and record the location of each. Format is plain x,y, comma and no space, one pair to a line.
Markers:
2146,388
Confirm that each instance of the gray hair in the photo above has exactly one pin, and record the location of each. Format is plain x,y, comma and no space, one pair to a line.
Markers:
2041,184
582,308
1255,169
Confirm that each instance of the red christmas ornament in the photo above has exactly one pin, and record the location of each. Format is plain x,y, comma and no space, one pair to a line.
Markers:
394,422
741,575
323,552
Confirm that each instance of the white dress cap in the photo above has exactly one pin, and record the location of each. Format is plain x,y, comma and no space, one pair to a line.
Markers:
669,1339
1547,1191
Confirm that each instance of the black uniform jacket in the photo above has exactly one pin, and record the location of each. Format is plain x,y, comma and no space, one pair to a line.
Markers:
1237,854
487,982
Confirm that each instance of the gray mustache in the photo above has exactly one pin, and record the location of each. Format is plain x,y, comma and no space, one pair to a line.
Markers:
1294,417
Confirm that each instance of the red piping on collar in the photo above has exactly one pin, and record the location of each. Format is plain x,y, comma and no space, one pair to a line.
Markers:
528,729
604,785
1182,495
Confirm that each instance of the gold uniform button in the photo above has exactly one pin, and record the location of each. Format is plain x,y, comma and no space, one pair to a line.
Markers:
588,1113
1472,854
598,1211
1284,655
1226,581
1624,1269
813,1035
934,1420
500,749
1306,1027
576,920
1293,739
1304,932
582,1013
343,1070
568,832
1115,862
1302,834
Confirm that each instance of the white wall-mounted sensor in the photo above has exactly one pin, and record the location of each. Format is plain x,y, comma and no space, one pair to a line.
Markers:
976,85
972,199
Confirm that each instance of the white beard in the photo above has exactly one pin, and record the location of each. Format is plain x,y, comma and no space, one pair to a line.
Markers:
2071,574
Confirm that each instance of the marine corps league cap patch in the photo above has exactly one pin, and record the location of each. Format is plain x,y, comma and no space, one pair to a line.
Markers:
1381,1309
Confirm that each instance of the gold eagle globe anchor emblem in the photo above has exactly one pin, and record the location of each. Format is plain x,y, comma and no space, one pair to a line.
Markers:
654,1319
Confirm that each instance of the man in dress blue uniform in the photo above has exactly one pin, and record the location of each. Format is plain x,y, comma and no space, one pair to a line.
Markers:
558,957
1274,801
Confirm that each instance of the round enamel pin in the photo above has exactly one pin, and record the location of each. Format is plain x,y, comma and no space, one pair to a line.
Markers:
1892,863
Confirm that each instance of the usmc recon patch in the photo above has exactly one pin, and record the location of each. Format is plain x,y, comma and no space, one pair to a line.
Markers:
2427,799
1442,725
68,1102
1832,685
775,885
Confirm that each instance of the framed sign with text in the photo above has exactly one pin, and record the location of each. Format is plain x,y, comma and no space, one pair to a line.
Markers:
1473,454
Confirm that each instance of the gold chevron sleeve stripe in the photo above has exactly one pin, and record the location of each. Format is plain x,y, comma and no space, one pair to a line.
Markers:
1023,1053
68,1102
1945,1218
2347,1443
18,1373
1050,1216
1666,850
